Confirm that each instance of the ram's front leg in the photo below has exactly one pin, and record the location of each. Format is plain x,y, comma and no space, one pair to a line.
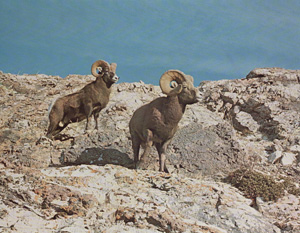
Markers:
162,152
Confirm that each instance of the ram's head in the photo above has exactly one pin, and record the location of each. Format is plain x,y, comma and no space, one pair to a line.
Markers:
104,70
175,82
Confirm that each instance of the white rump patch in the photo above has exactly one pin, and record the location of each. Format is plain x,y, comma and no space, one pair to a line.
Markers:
51,106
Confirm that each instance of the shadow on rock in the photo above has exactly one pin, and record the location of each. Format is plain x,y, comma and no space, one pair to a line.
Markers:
98,156
63,137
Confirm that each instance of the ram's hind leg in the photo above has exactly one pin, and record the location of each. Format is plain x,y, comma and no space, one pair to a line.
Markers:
88,109
147,146
54,125
162,150
96,115
58,130
52,130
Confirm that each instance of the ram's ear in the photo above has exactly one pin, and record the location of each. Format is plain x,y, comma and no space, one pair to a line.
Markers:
113,67
190,78
176,90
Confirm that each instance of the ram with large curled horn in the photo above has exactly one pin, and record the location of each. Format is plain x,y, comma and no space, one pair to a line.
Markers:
156,122
88,101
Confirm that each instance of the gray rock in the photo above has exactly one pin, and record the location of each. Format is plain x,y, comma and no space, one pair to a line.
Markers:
288,159
208,151
275,156
295,148
245,123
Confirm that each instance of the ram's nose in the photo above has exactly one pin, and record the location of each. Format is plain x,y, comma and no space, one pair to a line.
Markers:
115,78
199,96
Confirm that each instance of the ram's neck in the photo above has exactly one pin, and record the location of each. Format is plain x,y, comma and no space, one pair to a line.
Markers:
174,110
103,86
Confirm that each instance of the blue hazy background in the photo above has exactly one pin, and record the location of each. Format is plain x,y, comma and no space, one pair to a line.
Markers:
210,40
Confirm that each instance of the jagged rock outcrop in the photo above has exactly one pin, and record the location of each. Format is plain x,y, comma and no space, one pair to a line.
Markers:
251,122
265,105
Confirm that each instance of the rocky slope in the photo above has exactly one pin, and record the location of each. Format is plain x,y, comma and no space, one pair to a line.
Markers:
84,182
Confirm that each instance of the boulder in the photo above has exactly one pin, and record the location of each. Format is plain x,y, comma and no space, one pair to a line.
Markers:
288,159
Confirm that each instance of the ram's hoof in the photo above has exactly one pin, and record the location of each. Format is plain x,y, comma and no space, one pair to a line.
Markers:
164,170
141,165
88,131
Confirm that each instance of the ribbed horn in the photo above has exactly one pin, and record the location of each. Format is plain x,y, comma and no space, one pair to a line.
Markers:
103,64
167,78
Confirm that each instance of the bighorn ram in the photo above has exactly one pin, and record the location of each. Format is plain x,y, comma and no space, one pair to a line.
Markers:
156,122
88,101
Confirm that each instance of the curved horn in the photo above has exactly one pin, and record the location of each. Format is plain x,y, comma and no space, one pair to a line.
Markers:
103,64
113,67
166,79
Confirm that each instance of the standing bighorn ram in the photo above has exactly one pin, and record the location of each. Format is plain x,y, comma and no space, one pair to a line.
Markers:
156,122
88,101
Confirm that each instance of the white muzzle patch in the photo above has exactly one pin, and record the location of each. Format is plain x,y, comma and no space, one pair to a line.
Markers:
115,79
